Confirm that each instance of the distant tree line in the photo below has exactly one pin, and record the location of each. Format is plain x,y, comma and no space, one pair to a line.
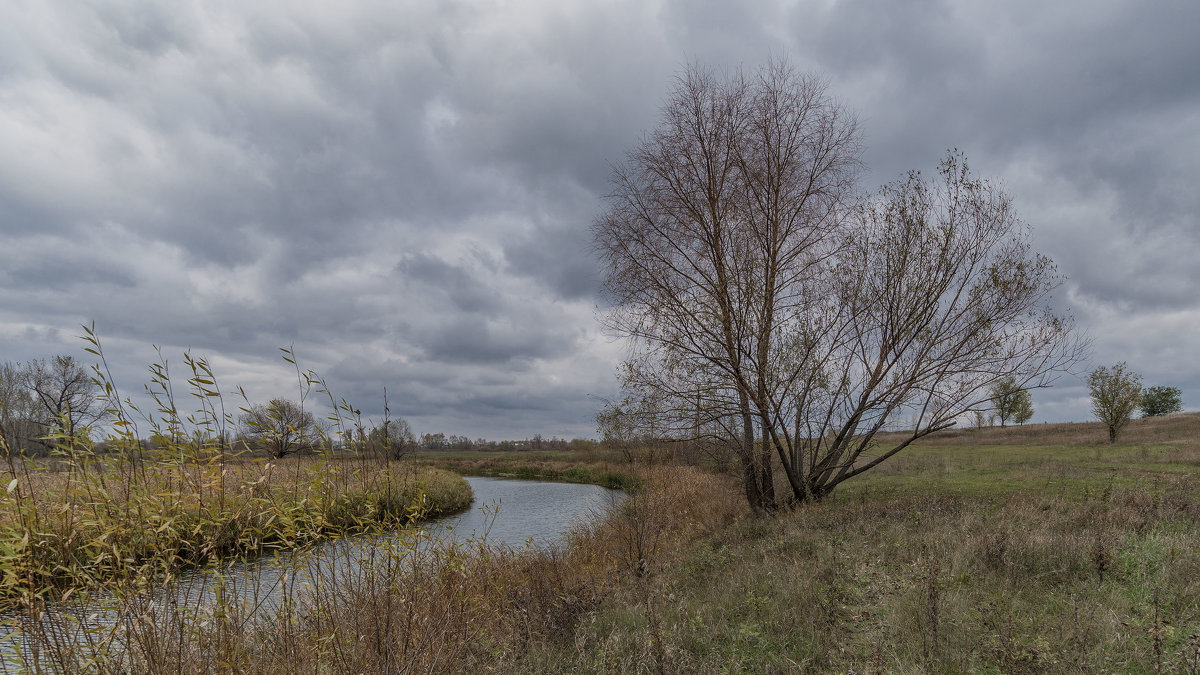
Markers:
281,427
52,403
440,441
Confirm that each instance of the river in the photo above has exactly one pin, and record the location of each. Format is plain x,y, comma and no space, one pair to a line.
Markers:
529,511
509,513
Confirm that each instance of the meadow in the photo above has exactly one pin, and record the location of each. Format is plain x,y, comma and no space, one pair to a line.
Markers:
1031,549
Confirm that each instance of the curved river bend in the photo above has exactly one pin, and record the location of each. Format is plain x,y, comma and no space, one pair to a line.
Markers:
506,512
512,513
529,511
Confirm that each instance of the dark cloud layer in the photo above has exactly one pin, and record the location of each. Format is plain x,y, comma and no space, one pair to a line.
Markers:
403,190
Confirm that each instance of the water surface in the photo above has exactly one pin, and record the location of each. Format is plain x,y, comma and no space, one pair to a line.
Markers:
534,512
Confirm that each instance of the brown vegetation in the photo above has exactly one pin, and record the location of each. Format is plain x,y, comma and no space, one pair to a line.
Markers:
1020,555
469,607
96,521
913,583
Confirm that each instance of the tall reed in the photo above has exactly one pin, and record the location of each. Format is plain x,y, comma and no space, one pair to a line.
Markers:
92,536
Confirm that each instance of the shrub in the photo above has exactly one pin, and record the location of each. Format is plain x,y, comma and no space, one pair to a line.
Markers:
1158,401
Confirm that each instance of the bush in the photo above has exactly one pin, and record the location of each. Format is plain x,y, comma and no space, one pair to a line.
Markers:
1157,401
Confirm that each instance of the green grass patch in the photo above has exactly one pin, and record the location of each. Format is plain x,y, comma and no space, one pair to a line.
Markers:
952,557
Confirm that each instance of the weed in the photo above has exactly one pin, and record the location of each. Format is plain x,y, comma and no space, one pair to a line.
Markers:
1101,556
1189,655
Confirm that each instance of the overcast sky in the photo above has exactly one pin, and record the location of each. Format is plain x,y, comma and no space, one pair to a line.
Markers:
403,190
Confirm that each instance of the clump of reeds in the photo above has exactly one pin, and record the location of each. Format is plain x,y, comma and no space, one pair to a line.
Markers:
115,520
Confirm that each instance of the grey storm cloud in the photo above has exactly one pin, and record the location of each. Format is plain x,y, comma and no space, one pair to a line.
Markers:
403,191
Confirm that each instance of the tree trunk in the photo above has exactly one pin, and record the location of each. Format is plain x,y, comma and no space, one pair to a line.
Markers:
763,453
749,472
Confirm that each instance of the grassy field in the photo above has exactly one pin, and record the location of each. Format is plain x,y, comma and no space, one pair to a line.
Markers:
995,463
1039,548
1035,549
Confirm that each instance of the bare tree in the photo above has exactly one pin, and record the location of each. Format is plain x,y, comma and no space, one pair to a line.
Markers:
935,297
716,223
67,396
982,419
282,426
21,421
616,432
1116,393
744,278
631,427
393,439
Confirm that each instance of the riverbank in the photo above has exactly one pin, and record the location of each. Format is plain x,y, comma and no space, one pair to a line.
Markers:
98,523
1003,553
430,606
593,469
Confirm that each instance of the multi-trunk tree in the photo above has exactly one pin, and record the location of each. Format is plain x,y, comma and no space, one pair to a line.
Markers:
769,305
47,404
393,439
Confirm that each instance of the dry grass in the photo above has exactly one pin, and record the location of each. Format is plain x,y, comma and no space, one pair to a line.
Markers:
99,520
955,558
1177,428
1024,554
464,608
919,584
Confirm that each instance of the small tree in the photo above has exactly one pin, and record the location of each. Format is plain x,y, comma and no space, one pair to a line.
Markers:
1011,401
282,426
63,389
1024,409
982,419
616,432
393,439
1116,393
1157,401
21,420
